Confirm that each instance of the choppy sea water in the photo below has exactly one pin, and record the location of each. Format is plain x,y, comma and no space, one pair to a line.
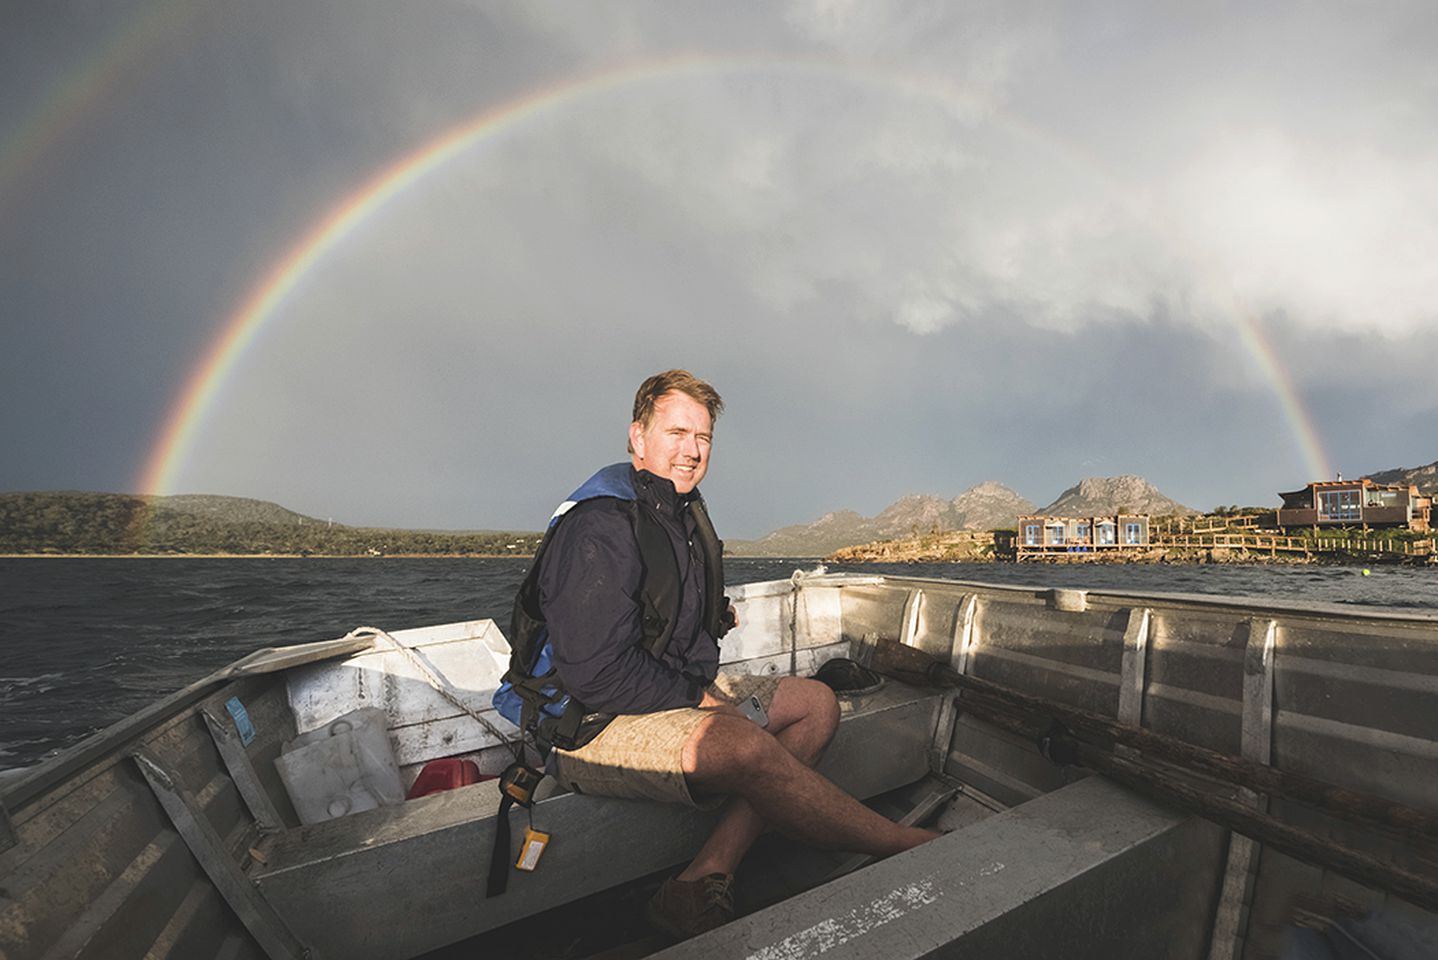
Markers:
84,643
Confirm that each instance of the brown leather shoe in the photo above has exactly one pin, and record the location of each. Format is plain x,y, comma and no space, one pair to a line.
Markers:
687,908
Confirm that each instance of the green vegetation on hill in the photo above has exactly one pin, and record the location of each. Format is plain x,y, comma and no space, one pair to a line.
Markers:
109,523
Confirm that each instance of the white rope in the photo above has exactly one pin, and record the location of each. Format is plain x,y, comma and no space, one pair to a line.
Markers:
794,624
441,687
796,579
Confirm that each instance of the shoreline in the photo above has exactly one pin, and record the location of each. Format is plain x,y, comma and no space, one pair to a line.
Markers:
265,556
1255,560
1055,560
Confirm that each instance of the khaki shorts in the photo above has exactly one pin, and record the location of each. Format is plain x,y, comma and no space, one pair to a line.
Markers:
639,755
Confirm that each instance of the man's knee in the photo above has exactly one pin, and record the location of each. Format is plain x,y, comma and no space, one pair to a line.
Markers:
828,708
724,747
820,706
798,698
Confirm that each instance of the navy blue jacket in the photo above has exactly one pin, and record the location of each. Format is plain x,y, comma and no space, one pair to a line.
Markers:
589,587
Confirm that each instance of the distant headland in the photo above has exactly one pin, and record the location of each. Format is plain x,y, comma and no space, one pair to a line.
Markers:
114,524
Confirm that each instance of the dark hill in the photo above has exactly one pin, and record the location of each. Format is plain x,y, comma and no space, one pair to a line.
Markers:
115,523
230,509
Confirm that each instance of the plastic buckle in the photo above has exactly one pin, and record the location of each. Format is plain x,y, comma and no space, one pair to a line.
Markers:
519,783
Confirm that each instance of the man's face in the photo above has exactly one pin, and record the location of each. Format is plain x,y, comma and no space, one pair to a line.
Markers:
675,445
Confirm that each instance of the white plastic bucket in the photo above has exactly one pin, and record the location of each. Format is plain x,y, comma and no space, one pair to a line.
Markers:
342,768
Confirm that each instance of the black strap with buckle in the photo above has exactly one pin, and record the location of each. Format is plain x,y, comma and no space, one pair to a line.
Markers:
516,785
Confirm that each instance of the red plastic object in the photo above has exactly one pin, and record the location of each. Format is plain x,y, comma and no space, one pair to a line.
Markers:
444,774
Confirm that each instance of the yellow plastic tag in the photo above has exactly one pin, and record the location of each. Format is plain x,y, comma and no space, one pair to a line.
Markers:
531,850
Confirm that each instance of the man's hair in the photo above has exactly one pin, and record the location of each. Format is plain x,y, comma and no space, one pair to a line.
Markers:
682,381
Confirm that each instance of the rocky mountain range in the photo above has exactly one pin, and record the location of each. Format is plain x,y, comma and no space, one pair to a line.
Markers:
1426,478
987,506
1103,495
983,507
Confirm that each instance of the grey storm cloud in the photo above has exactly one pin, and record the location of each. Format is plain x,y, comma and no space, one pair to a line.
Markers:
916,246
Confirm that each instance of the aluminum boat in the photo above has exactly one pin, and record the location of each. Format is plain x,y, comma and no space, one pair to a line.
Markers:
171,834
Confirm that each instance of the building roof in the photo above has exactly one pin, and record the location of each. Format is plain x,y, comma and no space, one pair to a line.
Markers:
1360,482
1097,518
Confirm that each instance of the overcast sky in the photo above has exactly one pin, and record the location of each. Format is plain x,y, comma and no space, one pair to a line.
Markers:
915,246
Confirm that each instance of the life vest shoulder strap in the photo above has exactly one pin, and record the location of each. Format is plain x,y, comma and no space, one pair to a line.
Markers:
662,588
660,598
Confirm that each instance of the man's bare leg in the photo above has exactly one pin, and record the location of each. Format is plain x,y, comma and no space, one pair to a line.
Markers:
803,718
728,754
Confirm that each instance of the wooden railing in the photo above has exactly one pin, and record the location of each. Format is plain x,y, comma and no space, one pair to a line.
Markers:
1181,525
1276,543
1270,543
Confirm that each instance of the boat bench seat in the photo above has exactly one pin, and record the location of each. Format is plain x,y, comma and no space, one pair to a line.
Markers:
399,880
1091,867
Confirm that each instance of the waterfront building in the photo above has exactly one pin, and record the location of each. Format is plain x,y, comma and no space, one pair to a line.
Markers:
1039,535
1356,503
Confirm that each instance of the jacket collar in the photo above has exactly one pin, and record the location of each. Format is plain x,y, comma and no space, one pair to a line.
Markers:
659,492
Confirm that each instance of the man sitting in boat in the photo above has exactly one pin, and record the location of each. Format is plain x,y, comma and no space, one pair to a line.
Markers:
680,731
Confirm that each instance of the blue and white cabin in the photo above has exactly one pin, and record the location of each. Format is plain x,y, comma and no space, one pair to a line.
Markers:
1051,535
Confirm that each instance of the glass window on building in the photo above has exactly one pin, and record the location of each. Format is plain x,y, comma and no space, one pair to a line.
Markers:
1031,534
1081,531
1057,532
1132,532
1338,505
1105,533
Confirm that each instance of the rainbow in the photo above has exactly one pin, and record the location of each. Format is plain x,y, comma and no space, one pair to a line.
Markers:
1305,433
241,329
85,88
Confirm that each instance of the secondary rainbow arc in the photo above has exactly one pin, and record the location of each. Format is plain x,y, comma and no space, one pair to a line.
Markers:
85,87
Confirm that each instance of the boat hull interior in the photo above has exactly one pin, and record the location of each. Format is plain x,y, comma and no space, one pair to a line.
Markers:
172,835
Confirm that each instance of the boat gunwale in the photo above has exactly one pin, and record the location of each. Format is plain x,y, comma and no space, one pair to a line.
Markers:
48,774
1209,600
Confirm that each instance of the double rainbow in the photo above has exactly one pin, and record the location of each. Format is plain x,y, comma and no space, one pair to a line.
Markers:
243,327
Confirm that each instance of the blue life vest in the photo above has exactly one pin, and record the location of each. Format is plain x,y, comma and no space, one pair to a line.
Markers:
530,649
532,696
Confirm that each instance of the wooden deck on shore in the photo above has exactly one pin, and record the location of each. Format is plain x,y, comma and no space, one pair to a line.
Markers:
1251,544
1277,543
